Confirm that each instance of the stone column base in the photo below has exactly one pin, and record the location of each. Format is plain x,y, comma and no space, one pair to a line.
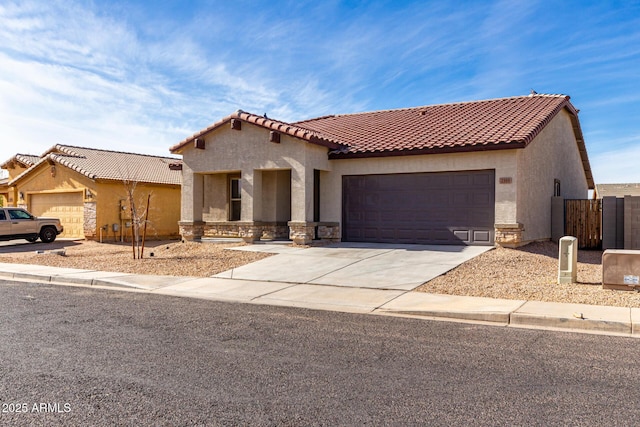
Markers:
250,231
303,233
191,231
509,235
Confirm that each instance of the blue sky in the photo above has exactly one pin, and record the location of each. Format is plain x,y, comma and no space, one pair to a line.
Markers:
141,76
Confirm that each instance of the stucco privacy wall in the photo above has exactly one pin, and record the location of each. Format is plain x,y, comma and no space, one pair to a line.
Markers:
553,154
248,152
503,161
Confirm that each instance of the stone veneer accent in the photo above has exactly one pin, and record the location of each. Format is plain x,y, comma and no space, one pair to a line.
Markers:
303,233
191,231
509,235
90,222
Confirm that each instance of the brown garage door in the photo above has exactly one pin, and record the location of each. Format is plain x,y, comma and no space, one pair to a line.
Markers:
68,207
425,208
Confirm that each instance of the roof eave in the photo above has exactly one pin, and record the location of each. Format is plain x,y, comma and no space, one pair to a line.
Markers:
427,151
264,122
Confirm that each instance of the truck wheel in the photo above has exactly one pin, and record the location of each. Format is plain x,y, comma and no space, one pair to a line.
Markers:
48,234
32,239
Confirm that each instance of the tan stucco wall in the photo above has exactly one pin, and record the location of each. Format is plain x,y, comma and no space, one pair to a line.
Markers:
553,154
105,196
503,161
524,178
164,208
249,152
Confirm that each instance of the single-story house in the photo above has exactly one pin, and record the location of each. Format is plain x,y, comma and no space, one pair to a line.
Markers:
88,190
14,167
617,190
472,173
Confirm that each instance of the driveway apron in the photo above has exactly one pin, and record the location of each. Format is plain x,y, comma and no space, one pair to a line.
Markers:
360,265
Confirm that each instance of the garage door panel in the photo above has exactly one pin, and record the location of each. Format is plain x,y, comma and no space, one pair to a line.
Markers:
449,207
68,207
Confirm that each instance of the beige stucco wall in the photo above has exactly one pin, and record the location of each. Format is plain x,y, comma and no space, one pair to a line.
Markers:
503,161
164,208
164,212
249,152
524,178
553,154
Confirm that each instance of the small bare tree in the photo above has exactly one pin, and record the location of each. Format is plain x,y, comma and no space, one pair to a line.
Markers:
139,218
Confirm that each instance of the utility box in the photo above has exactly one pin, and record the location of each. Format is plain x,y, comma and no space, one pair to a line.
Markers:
621,269
568,260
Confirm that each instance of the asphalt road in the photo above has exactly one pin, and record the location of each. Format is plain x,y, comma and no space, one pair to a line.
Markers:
80,356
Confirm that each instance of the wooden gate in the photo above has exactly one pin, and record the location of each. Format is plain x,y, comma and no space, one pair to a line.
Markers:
583,219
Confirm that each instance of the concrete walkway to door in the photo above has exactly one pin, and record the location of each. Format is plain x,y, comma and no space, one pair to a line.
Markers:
359,265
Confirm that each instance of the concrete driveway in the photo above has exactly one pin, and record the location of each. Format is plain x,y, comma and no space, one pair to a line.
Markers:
360,265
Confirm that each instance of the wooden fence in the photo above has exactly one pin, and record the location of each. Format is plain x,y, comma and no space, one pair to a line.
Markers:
583,219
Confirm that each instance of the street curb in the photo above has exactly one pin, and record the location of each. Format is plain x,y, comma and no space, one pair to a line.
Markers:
625,321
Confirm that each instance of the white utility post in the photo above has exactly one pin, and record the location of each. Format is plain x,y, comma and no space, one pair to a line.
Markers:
568,260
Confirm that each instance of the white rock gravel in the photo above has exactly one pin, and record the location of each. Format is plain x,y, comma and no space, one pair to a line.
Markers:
530,273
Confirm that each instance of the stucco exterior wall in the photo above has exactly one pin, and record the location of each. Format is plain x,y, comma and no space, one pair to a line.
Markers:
249,153
503,161
164,208
553,154
102,207
46,178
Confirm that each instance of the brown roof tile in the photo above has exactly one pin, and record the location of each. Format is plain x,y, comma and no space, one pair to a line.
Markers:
466,126
265,122
25,159
496,123
112,165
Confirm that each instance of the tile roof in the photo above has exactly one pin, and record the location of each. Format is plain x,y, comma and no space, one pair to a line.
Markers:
501,123
465,126
265,122
24,159
112,165
617,190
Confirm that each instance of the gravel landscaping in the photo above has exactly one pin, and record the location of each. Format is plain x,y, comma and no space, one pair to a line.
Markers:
170,258
527,273
530,273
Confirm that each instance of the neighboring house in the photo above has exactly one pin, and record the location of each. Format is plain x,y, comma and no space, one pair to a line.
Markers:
617,190
14,167
479,172
85,188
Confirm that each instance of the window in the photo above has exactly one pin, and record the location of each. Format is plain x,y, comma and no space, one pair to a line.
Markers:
556,188
3,216
19,214
234,199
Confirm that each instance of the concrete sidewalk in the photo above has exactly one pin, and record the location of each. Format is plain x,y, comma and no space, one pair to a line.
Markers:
397,302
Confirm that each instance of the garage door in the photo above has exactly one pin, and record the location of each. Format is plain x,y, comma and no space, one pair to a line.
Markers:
426,208
69,207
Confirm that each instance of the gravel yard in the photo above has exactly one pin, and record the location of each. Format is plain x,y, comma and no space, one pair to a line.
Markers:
530,273
527,273
170,258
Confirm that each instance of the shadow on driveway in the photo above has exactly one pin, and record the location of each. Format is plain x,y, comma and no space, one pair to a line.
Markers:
21,246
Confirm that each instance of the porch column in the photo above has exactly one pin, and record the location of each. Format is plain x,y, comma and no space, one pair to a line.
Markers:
191,224
301,226
251,205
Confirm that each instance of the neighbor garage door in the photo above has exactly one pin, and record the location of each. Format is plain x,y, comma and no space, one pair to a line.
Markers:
425,208
69,207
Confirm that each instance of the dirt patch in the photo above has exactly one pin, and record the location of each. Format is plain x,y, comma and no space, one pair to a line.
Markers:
171,258
530,273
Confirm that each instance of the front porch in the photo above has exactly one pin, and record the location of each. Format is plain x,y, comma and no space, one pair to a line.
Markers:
259,204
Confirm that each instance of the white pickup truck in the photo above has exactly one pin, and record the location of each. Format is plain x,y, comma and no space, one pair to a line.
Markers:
17,223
